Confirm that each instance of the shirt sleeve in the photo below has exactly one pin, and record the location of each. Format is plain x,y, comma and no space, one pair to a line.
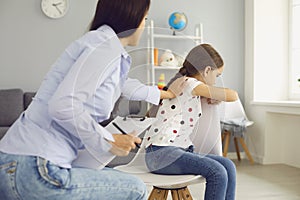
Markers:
135,90
67,105
192,83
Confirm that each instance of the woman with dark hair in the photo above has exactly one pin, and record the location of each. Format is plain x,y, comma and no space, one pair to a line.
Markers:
170,147
37,153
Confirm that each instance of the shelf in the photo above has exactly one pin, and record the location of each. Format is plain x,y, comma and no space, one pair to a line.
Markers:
180,37
156,37
165,68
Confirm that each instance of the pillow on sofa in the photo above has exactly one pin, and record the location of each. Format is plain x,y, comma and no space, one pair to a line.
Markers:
11,106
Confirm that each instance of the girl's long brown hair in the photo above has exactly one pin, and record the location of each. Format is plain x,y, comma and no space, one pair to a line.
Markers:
200,57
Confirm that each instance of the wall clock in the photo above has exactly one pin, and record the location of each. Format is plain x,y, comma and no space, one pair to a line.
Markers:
55,8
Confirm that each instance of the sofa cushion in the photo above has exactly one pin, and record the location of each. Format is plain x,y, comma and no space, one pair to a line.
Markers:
11,106
3,130
28,98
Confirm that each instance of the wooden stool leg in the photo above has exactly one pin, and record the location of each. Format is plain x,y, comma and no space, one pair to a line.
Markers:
223,136
158,194
246,150
175,195
185,193
237,149
227,140
181,194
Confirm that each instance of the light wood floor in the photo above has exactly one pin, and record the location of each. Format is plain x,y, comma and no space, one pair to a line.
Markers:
261,182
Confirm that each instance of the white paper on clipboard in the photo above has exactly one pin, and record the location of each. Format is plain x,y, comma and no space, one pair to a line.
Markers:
130,124
127,124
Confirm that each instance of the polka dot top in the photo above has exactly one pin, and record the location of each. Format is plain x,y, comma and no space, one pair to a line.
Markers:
176,119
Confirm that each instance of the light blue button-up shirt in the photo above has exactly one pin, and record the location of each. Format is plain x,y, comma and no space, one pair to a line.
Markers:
77,93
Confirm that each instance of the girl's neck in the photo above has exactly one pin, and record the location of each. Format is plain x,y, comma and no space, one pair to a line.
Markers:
199,77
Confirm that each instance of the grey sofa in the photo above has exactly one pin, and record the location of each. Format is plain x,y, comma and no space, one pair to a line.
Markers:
12,103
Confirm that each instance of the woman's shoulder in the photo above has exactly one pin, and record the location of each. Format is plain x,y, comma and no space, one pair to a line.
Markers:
104,36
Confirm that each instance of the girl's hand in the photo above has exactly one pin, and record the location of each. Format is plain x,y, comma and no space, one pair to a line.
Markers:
123,144
213,101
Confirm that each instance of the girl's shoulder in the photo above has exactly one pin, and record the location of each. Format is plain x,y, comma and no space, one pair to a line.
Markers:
192,79
191,84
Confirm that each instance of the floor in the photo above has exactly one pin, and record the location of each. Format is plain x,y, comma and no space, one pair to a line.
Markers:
261,182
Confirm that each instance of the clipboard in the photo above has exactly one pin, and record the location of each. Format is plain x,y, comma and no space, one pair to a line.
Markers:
128,124
131,123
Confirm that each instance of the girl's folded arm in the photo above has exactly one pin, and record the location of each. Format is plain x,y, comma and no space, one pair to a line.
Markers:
218,93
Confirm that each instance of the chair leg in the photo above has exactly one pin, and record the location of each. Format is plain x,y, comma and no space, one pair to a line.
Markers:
242,141
181,194
237,149
186,195
176,195
223,136
227,140
158,194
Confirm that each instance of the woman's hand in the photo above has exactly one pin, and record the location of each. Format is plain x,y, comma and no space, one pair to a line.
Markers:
123,144
175,88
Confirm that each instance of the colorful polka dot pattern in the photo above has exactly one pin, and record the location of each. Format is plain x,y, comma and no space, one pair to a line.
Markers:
176,119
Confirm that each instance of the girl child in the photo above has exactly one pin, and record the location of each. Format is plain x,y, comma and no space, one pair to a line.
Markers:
169,147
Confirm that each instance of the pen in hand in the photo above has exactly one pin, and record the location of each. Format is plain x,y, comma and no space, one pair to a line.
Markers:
123,132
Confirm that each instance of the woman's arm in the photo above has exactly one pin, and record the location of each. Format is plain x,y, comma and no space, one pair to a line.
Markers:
218,93
166,94
135,90
175,88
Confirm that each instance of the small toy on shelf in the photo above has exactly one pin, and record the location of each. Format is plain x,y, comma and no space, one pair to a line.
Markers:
161,81
168,59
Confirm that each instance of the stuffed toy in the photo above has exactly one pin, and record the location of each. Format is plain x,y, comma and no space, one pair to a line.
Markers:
168,59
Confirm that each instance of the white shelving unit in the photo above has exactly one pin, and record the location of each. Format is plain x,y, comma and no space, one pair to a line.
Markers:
153,40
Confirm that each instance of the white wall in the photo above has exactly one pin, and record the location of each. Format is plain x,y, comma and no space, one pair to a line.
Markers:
282,138
275,135
30,42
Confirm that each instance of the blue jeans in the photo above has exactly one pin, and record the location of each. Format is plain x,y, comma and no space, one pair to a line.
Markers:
219,172
30,178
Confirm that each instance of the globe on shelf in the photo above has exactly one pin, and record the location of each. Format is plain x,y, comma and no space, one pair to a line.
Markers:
177,21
